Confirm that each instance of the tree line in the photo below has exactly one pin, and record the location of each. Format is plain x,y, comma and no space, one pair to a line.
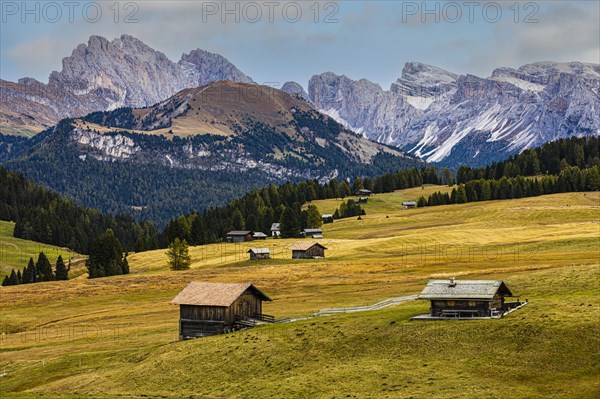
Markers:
259,209
550,159
38,271
570,179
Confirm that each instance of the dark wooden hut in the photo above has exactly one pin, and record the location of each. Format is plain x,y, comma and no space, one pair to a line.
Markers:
259,253
363,193
240,236
308,250
466,298
217,308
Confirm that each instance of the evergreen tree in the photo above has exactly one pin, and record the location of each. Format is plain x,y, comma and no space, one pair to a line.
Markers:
106,256
178,254
314,219
448,178
13,278
290,225
461,194
6,281
61,273
43,268
237,220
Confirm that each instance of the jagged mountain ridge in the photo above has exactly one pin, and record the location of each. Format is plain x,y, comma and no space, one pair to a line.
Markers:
450,119
432,113
196,149
105,75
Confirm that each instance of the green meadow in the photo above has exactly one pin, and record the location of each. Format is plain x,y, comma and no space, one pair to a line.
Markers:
116,337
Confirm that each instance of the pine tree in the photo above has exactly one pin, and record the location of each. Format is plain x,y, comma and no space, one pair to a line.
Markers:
290,225
314,219
6,281
106,256
448,178
178,254
13,278
237,220
461,195
43,268
61,273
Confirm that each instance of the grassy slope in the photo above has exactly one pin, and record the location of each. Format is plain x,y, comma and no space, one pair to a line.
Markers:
116,335
15,253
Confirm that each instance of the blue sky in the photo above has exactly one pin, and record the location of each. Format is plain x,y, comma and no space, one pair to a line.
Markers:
276,41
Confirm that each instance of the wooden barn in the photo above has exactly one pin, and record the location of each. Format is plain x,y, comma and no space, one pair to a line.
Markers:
259,235
240,236
467,298
308,250
312,233
363,193
409,205
327,218
259,253
217,308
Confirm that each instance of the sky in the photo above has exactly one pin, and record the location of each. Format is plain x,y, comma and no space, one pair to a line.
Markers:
277,41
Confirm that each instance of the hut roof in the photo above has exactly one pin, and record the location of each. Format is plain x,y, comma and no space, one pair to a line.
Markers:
327,216
304,246
260,234
214,294
239,233
409,203
276,227
463,289
313,231
259,250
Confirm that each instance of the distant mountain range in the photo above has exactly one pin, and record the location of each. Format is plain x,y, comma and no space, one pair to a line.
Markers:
197,149
433,114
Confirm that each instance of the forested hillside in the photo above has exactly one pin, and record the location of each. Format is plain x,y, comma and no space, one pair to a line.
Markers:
44,216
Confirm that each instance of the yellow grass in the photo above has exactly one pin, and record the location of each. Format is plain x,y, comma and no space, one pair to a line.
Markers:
115,336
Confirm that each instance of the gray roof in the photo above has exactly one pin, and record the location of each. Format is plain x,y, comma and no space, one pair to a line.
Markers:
259,250
239,233
313,231
463,289
327,215
276,227
409,203
317,236
260,234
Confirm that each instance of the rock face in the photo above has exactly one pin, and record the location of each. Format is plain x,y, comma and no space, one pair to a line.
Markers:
295,89
450,119
104,75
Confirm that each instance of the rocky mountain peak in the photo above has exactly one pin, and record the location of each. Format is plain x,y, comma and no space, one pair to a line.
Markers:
205,67
295,89
422,80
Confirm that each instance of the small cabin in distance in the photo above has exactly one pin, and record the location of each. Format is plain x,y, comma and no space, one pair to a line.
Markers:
409,205
467,299
259,235
217,308
308,250
240,236
312,233
259,253
276,230
327,218
363,193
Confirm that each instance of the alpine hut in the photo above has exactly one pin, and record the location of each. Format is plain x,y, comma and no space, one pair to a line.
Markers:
308,250
217,308
467,298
